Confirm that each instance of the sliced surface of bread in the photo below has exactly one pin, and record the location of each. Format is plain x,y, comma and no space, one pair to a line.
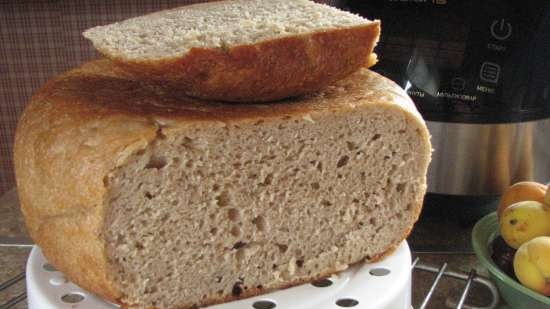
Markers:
151,199
241,50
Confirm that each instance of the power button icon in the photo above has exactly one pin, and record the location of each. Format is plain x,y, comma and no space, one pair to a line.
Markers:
501,29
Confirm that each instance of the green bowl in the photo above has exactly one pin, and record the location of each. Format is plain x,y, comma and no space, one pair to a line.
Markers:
515,294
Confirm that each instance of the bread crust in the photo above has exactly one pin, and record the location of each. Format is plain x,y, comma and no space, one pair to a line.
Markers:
267,71
84,124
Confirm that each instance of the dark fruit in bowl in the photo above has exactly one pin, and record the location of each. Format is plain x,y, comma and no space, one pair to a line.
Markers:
503,256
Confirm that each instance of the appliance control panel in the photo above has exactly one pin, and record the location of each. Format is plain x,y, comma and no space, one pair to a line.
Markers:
472,61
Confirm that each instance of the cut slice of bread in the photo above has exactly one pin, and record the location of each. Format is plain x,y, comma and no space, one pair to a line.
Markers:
154,200
242,50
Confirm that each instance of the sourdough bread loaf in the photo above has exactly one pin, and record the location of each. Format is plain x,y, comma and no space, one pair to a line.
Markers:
242,50
151,199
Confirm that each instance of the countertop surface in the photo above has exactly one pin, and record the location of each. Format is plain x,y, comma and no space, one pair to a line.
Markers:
434,240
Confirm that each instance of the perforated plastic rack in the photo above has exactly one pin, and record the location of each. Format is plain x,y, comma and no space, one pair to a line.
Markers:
382,285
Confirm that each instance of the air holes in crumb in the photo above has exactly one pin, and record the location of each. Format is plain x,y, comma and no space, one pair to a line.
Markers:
239,244
300,263
214,231
315,186
148,195
347,302
72,298
375,137
237,289
351,146
264,304
400,187
120,239
320,167
236,231
282,248
165,218
372,221
156,162
48,267
379,272
138,246
187,142
260,223
151,290
342,162
268,179
326,203
223,199
323,283
234,214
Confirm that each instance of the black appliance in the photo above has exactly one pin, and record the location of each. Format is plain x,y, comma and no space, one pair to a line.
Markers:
479,73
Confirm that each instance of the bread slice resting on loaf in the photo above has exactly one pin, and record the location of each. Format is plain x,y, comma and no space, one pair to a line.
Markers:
151,199
242,50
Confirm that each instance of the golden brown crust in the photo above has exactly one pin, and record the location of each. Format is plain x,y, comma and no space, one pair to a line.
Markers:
82,125
63,202
103,92
266,71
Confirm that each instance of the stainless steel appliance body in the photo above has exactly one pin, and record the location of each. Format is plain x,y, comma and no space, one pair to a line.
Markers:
479,72
484,159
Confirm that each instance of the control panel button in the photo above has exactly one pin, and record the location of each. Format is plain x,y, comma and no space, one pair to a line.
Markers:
489,72
458,84
501,29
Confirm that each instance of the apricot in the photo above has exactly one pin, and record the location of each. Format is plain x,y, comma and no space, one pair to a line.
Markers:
547,196
524,221
521,191
532,264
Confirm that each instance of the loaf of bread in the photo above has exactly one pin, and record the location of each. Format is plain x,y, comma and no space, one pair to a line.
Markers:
242,50
151,199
